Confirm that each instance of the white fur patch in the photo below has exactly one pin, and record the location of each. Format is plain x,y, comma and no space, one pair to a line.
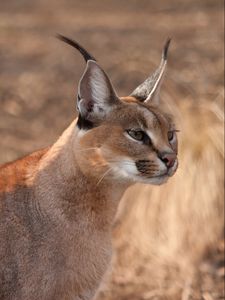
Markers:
81,133
126,169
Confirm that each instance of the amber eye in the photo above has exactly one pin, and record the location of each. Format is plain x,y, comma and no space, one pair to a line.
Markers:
138,135
170,135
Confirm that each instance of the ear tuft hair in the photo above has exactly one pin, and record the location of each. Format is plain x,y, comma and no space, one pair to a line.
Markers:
166,48
87,56
148,91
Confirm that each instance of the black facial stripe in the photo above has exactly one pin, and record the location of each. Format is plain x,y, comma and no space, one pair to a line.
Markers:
147,140
144,165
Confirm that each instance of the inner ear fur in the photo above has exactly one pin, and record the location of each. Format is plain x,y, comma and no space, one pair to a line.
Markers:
96,95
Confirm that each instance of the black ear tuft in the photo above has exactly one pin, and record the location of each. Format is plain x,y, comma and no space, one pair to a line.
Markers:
87,56
148,91
96,95
166,48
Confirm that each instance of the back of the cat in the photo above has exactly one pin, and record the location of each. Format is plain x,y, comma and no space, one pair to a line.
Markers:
20,230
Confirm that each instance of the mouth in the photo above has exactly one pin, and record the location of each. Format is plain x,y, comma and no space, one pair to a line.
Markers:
159,179
129,170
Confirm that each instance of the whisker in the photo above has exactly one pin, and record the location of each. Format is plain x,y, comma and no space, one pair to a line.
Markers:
152,167
118,161
110,169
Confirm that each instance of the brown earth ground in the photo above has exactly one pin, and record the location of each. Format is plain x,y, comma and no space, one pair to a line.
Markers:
38,83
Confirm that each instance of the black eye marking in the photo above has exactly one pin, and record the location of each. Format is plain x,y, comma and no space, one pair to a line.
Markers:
139,135
146,167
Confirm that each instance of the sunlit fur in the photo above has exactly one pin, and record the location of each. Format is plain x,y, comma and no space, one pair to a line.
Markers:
117,153
58,205
73,189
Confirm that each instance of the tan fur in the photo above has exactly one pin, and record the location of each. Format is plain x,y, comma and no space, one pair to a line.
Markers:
179,223
59,205
14,173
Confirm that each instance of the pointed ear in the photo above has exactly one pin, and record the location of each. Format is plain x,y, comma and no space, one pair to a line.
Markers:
96,96
148,91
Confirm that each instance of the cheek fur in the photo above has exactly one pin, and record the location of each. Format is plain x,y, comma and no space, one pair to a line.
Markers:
125,154
127,167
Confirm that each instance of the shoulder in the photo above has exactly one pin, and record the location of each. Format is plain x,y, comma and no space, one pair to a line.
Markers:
15,173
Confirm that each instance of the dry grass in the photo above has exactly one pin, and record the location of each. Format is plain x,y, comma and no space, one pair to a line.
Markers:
164,235
168,239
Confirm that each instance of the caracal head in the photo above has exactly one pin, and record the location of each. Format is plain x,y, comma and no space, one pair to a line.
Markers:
123,138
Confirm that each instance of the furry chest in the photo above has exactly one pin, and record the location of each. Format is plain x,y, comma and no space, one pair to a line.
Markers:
84,268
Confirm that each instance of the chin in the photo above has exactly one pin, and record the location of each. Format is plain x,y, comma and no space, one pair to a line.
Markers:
158,180
136,178
130,174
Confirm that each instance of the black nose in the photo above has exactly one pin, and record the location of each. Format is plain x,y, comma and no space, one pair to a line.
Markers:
168,159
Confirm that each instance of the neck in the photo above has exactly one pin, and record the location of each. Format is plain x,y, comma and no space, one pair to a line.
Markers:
65,188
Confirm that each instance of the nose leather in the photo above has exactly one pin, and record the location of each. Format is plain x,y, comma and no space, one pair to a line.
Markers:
168,159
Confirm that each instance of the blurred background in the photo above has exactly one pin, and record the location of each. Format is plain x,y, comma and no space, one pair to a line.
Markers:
168,240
